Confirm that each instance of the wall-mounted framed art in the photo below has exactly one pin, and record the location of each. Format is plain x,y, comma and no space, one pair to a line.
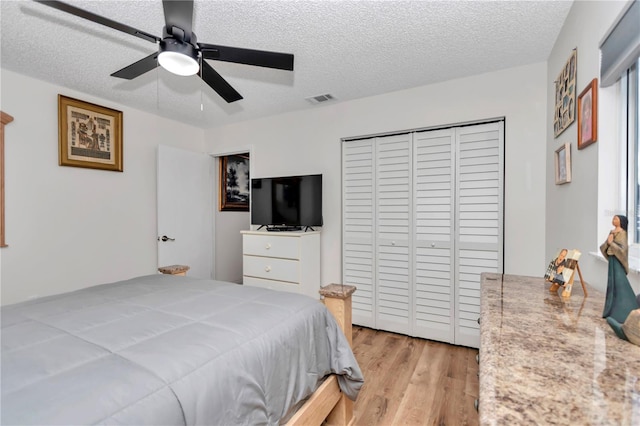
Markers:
89,135
565,104
235,182
4,120
563,164
588,115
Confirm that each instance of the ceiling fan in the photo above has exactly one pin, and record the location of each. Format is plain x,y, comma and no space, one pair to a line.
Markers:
179,51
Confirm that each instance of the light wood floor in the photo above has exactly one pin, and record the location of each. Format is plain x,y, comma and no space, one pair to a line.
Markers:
411,381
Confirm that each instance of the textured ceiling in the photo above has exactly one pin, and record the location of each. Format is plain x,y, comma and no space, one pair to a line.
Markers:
350,49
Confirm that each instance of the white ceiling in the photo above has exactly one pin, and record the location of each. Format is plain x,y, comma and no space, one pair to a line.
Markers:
350,49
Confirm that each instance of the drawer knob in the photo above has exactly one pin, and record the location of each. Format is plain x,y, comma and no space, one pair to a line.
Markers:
268,246
267,268
433,244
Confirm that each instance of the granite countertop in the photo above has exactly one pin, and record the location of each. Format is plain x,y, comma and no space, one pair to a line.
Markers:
544,360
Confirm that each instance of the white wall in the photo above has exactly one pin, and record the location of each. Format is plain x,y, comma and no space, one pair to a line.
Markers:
579,213
228,251
308,142
69,227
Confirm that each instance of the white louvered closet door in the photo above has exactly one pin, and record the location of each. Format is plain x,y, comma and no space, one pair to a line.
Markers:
422,219
479,206
394,216
358,227
434,185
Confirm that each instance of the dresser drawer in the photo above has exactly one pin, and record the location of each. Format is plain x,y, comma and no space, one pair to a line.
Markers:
272,246
271,285
271,268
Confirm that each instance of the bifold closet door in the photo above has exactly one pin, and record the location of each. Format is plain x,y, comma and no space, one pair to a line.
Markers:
479,230
394,216
422,219
434,185
358,227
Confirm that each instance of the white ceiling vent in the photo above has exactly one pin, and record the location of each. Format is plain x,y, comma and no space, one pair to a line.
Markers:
320,99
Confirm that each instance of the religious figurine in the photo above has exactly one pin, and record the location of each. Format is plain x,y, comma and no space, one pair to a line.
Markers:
620,298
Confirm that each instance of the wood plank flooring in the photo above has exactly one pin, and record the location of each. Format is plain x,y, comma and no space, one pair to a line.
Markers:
411,381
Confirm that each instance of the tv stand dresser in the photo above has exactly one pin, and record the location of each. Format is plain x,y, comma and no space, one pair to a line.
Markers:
284,261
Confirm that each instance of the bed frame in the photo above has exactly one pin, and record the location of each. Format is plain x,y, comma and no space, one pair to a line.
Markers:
328,405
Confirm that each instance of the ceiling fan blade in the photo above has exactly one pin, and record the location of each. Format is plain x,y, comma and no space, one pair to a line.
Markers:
99,19
261,58
217,83
138,68
179,13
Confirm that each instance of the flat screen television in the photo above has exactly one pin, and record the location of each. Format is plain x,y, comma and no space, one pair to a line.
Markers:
286,203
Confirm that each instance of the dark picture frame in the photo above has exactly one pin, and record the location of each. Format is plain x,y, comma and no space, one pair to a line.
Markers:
235,181
588,115
89,135
565,91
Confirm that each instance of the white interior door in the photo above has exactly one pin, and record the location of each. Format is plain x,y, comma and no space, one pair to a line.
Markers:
185,210
434,185
394,206
479,234
358,227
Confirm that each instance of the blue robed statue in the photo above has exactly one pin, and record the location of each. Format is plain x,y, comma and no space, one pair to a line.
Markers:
620,299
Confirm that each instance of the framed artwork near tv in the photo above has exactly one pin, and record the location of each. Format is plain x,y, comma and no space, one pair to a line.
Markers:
235,183
89,135
588,115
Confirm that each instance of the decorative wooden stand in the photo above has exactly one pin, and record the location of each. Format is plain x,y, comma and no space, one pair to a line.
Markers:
569,286
327,405
174,270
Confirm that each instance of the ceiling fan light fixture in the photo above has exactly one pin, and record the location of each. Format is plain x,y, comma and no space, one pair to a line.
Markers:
178,57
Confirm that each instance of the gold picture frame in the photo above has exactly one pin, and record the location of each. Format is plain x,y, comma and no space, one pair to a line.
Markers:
563,164
588,115
565,100
235,182
89,135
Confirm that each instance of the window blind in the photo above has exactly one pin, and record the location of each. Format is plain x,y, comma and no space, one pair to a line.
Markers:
621,46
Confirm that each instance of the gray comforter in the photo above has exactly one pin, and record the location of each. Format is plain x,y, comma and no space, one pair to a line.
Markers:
164,349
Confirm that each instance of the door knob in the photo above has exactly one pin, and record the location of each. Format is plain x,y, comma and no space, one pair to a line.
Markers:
165,238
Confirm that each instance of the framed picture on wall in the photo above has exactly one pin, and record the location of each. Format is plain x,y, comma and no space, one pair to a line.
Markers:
565,99
563,164
234,183
588,115
89,135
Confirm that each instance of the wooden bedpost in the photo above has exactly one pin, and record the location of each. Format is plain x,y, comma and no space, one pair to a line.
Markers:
174,270
337,298
327,405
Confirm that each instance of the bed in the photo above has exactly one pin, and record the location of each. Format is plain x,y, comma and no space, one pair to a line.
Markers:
163,349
